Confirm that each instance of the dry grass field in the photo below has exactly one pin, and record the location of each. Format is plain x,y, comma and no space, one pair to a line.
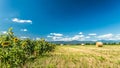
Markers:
75,56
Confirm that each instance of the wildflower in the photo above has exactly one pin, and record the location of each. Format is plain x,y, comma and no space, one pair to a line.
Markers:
6,43
24,44
15,39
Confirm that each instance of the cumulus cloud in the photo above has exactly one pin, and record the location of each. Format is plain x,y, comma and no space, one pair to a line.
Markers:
4,32
92,34
105,36
56,38
87,37
23,30
80,33
117,37
78,37
61,37
21,21
23,37
49,36
109,36
81,37
56,34
66,39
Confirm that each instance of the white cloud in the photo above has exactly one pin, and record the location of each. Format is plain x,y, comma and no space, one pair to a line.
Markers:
109,36
23,37
60,37
87,37
56,34
92,34
56,38
23,30
78,37
4,32
81,37
66,39
80,33
49,36
105,36
21,21
116,37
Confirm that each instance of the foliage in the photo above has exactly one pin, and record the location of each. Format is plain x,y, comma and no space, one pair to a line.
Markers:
15,52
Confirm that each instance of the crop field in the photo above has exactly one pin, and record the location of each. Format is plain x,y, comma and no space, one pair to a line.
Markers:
77,56
27,53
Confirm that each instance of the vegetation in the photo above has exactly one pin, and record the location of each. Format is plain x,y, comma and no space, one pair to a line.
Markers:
27,53
15,52
76,56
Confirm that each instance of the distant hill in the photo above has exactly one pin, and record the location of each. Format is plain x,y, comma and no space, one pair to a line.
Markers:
85,42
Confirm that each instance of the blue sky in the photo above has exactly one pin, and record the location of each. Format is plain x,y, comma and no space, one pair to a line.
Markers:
62,19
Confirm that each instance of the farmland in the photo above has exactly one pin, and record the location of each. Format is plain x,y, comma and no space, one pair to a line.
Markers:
27,53
77,56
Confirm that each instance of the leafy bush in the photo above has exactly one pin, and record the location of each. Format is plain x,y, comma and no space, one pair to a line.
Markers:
15,52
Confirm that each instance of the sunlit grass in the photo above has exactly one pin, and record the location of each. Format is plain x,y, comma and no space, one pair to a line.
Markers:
80,57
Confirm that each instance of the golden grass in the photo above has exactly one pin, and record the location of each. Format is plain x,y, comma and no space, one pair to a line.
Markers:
80,57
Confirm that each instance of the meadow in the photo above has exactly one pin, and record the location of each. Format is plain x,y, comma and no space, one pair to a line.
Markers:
77,56
27,53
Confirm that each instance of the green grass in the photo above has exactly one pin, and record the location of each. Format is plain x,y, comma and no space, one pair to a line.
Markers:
75,56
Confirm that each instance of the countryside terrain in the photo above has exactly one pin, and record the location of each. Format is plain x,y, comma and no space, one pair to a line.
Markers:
77,56
27,53
59,34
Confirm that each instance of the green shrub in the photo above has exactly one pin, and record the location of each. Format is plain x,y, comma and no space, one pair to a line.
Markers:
15,52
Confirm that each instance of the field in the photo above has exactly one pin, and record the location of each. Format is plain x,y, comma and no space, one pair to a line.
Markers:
77,56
